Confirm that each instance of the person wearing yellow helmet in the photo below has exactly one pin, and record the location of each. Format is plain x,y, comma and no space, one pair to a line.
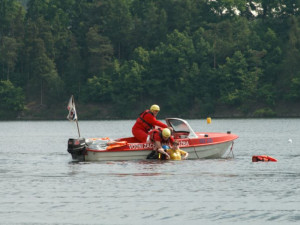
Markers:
166,133
161,137
145,122
154,108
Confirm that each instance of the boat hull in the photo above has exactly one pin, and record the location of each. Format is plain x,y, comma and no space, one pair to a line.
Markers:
211,151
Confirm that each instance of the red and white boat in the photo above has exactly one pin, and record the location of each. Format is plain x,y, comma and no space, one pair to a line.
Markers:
198,145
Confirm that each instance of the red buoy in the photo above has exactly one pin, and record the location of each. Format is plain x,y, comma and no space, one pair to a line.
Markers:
263,158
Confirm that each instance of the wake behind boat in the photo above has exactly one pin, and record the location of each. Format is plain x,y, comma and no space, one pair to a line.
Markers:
198,145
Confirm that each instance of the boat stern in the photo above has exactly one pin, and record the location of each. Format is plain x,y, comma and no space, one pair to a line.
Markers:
77,148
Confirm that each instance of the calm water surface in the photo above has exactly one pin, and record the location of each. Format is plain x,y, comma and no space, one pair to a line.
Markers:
41,185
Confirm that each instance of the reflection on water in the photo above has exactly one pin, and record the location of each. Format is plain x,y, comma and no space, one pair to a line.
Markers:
135,174
41,185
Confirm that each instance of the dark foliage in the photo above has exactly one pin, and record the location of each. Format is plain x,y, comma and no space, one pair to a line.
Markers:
188,56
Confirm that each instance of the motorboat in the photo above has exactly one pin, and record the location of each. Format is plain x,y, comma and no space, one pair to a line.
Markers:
199,145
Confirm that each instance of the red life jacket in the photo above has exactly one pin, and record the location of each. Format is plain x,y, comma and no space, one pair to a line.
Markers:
263,158
147,125
159,131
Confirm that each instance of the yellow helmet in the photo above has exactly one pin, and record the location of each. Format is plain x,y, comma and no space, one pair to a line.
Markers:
166,133
154,108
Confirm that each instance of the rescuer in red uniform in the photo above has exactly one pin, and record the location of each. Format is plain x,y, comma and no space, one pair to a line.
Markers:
146,121
161,137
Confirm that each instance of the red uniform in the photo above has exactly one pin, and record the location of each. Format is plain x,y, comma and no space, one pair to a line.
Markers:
156,135
144,124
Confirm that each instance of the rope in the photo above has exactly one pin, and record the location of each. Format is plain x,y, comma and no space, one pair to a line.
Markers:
231,150
196,153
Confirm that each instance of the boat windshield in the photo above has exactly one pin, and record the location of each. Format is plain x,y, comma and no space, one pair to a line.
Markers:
180,125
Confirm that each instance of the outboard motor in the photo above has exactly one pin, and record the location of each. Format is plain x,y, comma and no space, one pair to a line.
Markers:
76,147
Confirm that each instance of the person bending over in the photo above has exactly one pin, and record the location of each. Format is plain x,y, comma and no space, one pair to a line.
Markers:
145,122
160,138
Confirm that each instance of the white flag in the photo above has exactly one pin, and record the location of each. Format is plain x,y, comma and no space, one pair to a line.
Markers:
72,110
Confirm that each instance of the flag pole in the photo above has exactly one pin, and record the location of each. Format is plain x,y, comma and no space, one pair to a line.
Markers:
78,128
72,112
76,118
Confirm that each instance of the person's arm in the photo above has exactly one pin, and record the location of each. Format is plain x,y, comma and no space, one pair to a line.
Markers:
184,153
172,140
161,150
153,121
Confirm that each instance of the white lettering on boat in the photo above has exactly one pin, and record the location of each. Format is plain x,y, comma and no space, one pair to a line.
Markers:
141,146
148,145
183,143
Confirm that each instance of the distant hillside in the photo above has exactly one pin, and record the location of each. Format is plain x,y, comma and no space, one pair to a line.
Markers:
191,57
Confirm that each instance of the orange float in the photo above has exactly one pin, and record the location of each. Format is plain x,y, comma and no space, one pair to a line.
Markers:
116,144
263,158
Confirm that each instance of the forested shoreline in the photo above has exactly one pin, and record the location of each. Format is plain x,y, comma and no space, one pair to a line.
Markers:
194,58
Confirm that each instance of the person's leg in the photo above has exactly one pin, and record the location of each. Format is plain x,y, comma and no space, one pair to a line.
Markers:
140,134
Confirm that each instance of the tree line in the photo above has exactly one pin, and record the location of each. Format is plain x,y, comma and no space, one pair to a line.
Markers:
189,56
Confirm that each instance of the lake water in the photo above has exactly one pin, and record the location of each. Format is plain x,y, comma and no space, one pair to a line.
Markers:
41,185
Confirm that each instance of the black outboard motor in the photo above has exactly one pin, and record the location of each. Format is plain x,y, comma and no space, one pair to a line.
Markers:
76,147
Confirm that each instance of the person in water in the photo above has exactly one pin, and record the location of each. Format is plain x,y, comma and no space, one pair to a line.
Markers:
161,137
175,153
145,122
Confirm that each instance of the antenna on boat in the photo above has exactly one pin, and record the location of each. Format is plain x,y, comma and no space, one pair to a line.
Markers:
72,116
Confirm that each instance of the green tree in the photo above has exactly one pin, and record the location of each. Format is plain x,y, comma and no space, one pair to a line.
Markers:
294,93
204,51
268,8
100,52
128,84
179,14
9,53
238,85
268,56
51,21
168,62
12,98
150,24
74,75
227,7
115,21
290,67
99,89
226,37
291,8
11,13
142,56
44,74
11,37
